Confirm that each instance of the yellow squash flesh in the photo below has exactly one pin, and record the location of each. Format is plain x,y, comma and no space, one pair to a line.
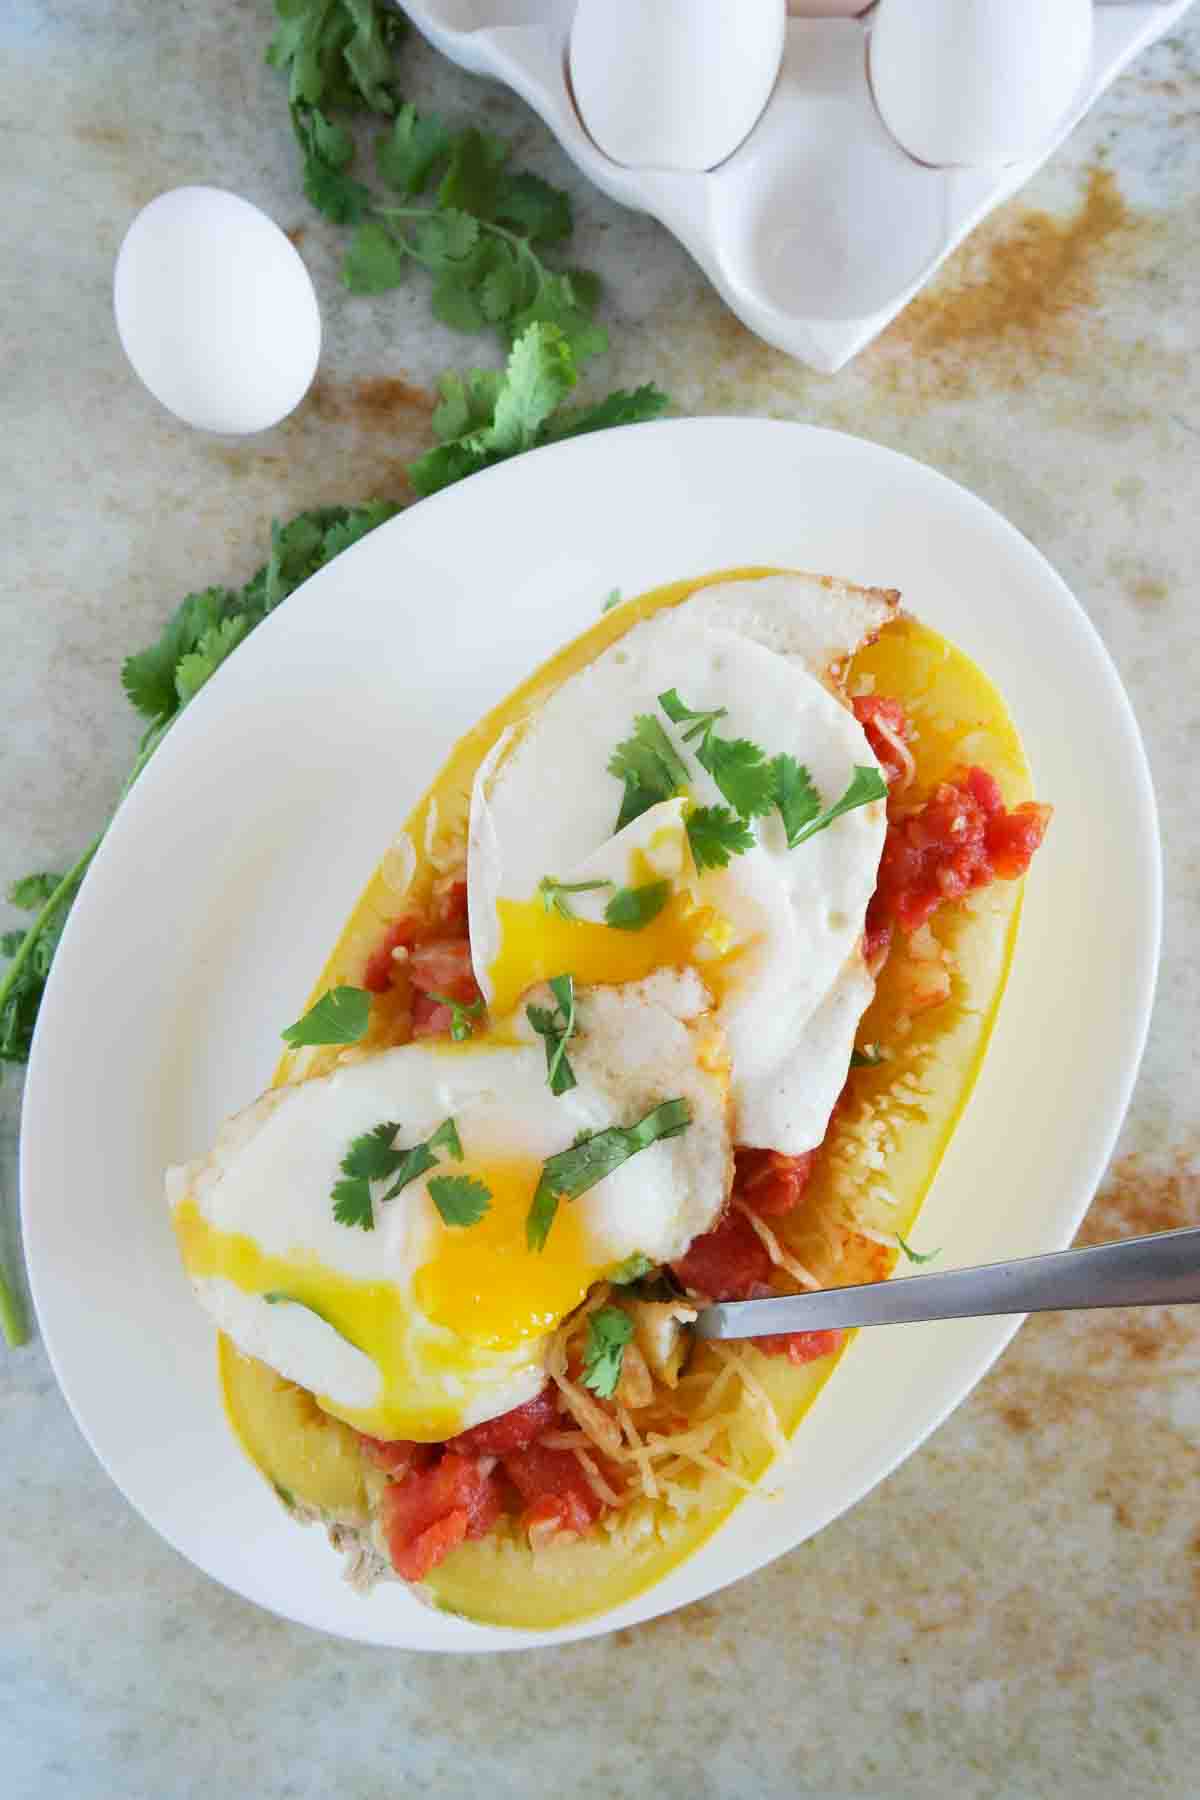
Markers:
907,1107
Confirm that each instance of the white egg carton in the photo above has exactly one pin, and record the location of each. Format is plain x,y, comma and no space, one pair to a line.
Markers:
819,228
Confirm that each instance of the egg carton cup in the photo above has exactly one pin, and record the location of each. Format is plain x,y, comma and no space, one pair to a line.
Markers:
818,229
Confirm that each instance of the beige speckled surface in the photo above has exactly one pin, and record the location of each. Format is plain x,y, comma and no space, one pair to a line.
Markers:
1016,1611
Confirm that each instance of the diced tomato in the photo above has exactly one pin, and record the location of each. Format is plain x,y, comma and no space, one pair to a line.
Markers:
381,965
1012,838
984,789
727,1263
801,1346
962,838
554,1488
452,910
771,1182
884,720
398,1456
431,1510
430,1018
877,935
416,1558
444,967
514,1430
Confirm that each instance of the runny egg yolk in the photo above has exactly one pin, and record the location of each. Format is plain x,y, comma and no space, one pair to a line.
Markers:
537,943
481,1296
486,1285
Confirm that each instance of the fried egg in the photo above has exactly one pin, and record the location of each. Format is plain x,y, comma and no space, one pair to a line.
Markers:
776,935
417,1328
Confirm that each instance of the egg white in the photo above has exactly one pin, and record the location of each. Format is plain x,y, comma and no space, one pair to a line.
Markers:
351,1316
783,947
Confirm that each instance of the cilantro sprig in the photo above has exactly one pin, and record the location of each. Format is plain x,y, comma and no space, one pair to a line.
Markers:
632,908
715,834
594,1156
487,415
737,765
374,1157
916,1256
462,1015
556,1027
800,804
649,765
609,1330
555,894
340,1016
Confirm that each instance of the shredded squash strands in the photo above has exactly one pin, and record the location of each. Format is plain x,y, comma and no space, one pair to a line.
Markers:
905,755
775,1250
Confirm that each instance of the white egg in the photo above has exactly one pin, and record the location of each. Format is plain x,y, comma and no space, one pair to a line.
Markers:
776,935
418,1328
977,81
677,84
216,311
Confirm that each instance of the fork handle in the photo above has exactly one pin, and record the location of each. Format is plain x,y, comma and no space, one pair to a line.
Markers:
1162,1269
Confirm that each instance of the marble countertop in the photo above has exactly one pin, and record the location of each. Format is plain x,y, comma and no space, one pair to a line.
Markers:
1016,1611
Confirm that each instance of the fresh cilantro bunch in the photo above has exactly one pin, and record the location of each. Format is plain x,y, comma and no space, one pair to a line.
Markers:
452,204
160,681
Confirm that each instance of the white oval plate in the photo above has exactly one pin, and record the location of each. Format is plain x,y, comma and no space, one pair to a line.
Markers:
230,868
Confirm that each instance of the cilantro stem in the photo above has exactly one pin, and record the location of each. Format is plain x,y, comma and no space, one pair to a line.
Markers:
13,1322
25,950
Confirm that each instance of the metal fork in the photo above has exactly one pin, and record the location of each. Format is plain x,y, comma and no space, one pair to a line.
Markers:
1160,1270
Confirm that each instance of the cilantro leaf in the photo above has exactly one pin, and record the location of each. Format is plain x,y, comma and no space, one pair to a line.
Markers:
649,765
352,1203
622,407
462,1016
340,1016
375,261
372,1157
406,156
632,908
194,669
866,784
531,206
559,303
459,1198
540,373
539,370
445,240
742,773
573,1171
328,152
367,53
472,181
553,894
715,834
413,1163
337,51
738,767
795,796
609,1330
611,599
556,1028
915,1256
467,402
699,724
631,1270
149,676
31,892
